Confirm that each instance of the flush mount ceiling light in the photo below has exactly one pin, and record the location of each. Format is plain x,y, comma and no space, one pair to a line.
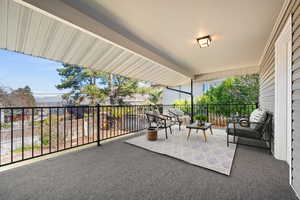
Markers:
204,41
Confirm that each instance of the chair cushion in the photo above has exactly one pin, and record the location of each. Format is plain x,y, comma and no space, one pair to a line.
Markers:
247,132
259,116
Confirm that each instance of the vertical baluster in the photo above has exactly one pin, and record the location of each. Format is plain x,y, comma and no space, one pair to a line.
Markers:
50,130
88,123
42,136
23,115
77,125
122,120
72,110
0,136
32,132
57,129
118,120
64,128
113,109
101,122
137,117
83,132
93,127
107,128
98,125
11,134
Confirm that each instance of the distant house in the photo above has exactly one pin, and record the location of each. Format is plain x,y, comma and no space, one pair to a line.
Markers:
199,89
136,99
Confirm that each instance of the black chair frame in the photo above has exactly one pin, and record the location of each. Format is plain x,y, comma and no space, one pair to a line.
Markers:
160,121
266,132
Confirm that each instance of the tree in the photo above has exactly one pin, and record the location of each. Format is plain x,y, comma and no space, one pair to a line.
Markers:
155,96
4,97
94,93
235,90
18,97
96,86
74,78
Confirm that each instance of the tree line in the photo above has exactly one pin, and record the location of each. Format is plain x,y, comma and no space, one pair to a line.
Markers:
93,87
233,90
18,97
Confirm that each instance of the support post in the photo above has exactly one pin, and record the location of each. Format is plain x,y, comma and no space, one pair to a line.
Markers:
192,102
98,124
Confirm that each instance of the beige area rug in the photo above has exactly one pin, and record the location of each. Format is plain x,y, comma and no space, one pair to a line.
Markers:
213,155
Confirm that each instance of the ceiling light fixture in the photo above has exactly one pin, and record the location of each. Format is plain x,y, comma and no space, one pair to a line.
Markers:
204,41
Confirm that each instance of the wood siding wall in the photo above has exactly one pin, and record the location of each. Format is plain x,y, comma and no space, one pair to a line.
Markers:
296,100
267,84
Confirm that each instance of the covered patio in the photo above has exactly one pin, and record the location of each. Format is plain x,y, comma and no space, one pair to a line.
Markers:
153,42
118,170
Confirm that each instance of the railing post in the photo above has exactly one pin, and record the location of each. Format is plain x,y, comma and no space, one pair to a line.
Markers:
98,124
192,102
207,114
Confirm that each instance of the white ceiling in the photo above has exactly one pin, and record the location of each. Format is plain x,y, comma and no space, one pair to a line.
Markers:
35,33
239,28
147,40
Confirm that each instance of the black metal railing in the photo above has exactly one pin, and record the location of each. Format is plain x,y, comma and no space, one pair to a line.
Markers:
216,113
30,132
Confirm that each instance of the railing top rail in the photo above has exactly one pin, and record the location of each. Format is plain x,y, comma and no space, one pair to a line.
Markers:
86,106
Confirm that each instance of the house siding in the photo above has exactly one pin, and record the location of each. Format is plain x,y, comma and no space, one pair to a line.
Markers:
267,84
296,99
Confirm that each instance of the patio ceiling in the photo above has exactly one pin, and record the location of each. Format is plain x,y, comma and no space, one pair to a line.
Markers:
36,33
147,40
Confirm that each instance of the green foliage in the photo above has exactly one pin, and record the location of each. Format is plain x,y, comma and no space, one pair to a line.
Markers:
119,112
183,105
236,90
45,140
95,86
5,125
27,148
155,95
144,90
117,87
239,90
201,117
94,93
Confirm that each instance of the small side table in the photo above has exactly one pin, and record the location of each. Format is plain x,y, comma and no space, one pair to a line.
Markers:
197,127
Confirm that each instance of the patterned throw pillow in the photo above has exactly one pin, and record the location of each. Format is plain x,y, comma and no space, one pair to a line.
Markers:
258,115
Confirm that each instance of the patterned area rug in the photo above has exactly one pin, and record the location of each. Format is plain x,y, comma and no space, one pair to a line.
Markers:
213,155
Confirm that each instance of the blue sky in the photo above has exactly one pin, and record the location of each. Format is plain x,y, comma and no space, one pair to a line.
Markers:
19,70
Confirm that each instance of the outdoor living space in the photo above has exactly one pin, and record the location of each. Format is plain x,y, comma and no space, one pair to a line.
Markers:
118,170
172,99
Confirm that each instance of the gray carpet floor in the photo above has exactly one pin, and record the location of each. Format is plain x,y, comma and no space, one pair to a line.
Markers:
121,171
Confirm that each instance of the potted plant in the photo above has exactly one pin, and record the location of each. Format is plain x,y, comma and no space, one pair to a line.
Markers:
200,119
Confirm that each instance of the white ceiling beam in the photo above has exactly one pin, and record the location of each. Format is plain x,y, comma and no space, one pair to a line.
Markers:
67,14
223,74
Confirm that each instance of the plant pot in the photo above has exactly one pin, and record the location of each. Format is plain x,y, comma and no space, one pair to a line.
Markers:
200,122
152,134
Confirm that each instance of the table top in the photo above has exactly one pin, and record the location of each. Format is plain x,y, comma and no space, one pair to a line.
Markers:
196,126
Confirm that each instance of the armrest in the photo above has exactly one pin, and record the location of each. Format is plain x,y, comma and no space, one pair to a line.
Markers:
156,116
166,116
